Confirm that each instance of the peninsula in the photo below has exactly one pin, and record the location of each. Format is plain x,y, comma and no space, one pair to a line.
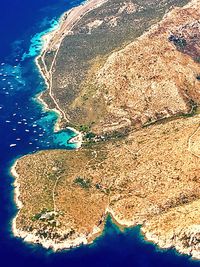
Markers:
126,75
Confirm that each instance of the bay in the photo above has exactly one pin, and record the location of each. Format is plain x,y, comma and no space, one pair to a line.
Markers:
26,128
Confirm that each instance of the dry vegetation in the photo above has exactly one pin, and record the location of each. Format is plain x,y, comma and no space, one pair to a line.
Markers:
149,79
144,175
152,172
74,87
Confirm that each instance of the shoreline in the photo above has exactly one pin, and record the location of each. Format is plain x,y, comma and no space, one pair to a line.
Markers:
83,239
48,38
151,238
57,127
46,75
45,107
30,237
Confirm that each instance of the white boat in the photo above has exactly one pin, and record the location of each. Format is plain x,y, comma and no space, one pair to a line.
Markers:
11,145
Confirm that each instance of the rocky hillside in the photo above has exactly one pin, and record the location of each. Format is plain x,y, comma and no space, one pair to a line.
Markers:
148,173
154,77
138,83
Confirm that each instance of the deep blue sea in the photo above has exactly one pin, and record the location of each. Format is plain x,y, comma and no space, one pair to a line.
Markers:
25,128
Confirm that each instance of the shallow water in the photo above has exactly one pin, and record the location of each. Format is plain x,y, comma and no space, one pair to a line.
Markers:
25,128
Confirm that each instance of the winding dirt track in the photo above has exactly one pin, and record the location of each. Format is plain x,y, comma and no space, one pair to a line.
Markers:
66,25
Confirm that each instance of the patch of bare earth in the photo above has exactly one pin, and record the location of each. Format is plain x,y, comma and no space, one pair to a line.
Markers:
149,177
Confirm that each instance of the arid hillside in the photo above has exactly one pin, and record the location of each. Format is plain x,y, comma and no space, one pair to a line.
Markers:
137,102
152,78
96,87
145,178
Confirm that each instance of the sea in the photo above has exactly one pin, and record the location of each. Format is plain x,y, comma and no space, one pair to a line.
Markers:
26,127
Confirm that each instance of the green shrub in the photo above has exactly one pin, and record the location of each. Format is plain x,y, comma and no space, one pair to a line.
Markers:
84,183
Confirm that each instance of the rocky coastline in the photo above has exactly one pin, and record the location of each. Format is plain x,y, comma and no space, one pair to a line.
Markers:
137,145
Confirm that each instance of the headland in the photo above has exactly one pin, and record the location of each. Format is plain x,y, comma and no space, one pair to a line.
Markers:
125,75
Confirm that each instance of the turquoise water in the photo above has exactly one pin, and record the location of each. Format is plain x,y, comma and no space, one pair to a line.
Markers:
37,41
24,123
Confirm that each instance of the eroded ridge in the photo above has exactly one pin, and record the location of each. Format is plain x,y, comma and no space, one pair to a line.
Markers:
138,108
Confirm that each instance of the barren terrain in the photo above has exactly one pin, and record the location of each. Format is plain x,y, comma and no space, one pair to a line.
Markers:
137,103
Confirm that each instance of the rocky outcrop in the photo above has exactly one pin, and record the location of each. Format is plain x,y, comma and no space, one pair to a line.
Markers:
142,175
178,228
